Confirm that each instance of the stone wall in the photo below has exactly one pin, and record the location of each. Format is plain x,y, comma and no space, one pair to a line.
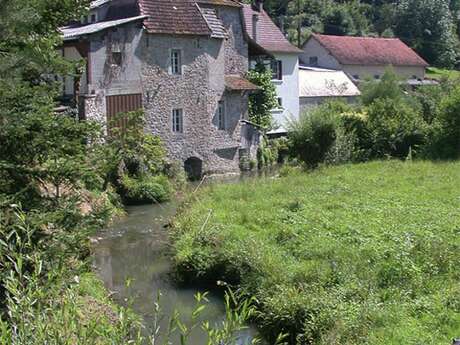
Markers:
94,108
197,91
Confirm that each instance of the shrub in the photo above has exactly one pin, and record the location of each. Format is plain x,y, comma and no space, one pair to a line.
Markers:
267,153
355,124
395,128
313,135
343,149
445,133
147,189
388,87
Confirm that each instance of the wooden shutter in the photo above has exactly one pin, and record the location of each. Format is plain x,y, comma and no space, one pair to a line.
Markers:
121,104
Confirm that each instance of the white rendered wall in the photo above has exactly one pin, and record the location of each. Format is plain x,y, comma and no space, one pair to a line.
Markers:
287,89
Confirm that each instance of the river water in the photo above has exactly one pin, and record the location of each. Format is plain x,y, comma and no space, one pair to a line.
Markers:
136,248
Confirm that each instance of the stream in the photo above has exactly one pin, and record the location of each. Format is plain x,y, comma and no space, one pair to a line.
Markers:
136,249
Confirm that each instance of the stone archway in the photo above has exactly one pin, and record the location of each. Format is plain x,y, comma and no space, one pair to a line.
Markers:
193,166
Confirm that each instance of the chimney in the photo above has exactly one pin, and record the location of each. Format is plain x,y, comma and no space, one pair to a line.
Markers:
258,5
255,24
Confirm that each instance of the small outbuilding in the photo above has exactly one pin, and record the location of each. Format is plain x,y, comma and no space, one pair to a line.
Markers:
317,85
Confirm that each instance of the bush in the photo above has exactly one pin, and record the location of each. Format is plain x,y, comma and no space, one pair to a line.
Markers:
267,153
313,135
355,124
388,87
444,140
395,128
147,189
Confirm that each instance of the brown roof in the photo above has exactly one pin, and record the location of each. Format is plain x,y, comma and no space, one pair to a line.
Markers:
269,36
369,51
214,23
237,83
220,2
174,17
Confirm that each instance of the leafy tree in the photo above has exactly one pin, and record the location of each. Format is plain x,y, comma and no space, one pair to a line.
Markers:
339,22
388,86
445,136
428,26
262,102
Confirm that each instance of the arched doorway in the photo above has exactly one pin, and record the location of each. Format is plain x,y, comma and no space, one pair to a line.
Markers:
194,168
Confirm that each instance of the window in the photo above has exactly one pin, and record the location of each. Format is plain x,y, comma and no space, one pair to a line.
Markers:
221,115
93,18
280,103
177,121
277,70
356,76
116,58
376,76
176,63
313,61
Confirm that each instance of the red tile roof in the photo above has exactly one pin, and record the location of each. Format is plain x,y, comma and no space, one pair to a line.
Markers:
369,51
237,83
174,17
269,36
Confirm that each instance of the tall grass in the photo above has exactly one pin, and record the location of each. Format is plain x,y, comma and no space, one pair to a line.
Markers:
356,254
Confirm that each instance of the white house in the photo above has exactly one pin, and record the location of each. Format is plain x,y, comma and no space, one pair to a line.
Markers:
362,57
318,85
268,44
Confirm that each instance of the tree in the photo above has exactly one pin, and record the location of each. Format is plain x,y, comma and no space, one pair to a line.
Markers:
37,147
262,102
428,27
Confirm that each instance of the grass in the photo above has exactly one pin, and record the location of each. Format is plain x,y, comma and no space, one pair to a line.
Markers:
439,73
356,254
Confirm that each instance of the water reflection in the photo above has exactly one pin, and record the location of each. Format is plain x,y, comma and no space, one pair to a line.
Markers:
136,248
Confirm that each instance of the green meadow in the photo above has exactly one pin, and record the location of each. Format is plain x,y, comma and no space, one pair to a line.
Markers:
354,254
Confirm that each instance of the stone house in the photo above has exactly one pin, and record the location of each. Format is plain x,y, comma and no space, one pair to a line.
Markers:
362,57
182,61
268,45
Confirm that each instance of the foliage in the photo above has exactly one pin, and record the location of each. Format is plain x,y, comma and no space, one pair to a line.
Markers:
356,254
428,26
312,135
47,296
395,128
39,149
441,74
267,154
262,102
146,189
445,133
135,161
388,86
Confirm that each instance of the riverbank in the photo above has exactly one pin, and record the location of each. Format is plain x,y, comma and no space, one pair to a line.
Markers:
353,254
